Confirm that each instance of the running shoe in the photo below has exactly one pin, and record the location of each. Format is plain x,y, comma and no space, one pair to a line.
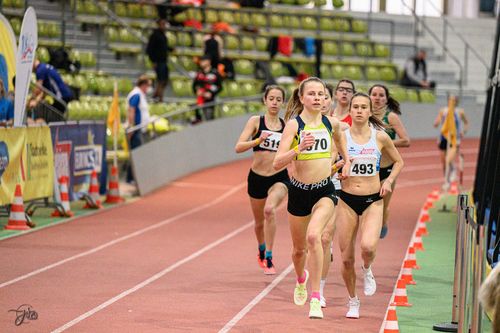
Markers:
261,261
322,301
353,305
300,292
384,231
269,269
315,311
370,285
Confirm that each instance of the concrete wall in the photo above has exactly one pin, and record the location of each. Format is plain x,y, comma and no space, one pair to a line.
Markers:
172,156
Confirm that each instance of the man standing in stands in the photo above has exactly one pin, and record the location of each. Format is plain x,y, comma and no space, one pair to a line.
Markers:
157,50
415,72
48,77
137,114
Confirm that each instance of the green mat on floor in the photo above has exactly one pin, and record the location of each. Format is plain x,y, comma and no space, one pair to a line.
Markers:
432,296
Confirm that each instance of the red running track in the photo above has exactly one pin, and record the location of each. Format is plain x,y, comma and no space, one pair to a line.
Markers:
184,259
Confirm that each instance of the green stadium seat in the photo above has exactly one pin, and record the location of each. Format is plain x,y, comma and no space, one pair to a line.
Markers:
276,21
330,48
231,42
54,30
399,94
381,51
42,29
149,12
228,17
277,69
121,9
254,107
211,16
187,63
247,43
292,22
43,54
244,67
353,72
319,3
259,20
88,59
135,10
309,23
125,86
233,89
249,88
171,39
326,71
341,25
111,34
184,39
388,74
359,26
427,96
338,71
372,73
261,44
326,24
16,25
245,19
233,108
347,49
412,95
364,50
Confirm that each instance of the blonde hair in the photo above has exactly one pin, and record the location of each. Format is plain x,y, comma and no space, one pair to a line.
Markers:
489,295
294,107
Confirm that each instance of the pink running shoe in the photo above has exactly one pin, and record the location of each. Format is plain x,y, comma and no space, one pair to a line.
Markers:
269,269
262,262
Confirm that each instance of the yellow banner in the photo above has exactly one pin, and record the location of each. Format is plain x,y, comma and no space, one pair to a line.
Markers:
39,164
8,52
26,157
12,142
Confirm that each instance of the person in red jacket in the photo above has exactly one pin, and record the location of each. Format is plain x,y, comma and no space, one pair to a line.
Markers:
206,85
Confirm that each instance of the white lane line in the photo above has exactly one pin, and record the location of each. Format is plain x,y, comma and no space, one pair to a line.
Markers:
230,324
435,152
126,237
197,185
152,278
411,183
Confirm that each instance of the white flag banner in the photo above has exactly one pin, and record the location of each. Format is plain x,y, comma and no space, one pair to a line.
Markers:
28,41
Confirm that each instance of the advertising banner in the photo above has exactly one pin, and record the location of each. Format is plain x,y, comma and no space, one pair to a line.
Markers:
28,41
80,148
8,51
39,164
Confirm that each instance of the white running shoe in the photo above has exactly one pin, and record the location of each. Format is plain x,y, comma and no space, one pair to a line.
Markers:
322,301
315,311
353,305
370,285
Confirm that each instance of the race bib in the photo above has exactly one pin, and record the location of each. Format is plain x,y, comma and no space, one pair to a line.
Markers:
364,166
272,142
322,142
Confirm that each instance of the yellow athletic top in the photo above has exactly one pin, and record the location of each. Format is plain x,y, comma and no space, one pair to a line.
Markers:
322,147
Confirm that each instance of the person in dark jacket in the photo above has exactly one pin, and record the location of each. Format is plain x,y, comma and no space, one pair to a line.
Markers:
415,72
157,50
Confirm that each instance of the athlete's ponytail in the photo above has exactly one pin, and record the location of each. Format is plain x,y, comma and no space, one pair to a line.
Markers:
294,107
392,104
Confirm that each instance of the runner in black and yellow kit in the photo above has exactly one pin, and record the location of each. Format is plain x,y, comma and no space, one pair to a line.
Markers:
266,187
387,109
307,144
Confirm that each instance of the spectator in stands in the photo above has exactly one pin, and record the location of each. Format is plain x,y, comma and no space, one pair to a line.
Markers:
415,72
489,295
48,77
6,107
137,114
212,47
206,85
157,50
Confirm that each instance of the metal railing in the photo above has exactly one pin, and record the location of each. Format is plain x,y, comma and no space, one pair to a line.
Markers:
469,269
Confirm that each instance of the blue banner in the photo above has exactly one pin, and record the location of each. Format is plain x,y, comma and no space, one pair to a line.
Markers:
80,148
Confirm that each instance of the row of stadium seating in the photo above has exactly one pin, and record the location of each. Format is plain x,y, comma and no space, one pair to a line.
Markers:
45,28
86,58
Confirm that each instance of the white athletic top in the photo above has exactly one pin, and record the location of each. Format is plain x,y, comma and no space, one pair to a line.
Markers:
365,157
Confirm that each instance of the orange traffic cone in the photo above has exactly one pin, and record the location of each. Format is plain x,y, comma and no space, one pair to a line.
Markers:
63,185
417,242
400,296
434,195
407,273
93,198
424,217
422,228
391,321
113,188
429,203
412,258
17,218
